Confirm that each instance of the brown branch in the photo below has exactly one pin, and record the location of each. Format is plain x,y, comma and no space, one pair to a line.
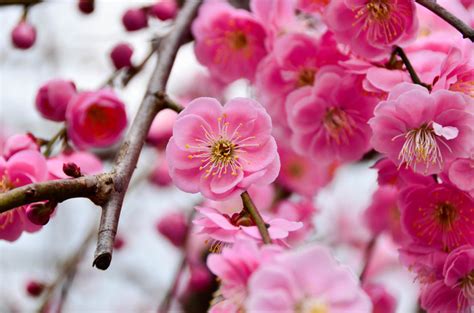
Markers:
249,206
409,67
19,2
464,29
153,102
96,188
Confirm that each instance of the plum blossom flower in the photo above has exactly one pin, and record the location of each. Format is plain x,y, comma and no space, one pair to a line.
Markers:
24,167
329,121
423,131
95,119
302,211
19,142
225,229
458,272
305,280
293,64
229,41
161,129
371,27
438,216
389,174
53,97
312,6
221,151
461,173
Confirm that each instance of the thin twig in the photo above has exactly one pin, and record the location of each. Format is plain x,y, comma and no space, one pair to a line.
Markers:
49,146
249,206
410,69
464,29
19,2
369,251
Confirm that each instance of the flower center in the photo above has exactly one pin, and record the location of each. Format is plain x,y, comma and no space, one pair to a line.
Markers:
420,147
5,184
445,214
464,84
295,169
305,78
240,219
379,10
339,125
311,305
238,40
219,152
467,285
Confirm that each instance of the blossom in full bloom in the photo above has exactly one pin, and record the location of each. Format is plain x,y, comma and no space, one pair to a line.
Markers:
221,151
438,216
329,121
305,280
372,27
461,173
229,41
423,131
95,119
458,272
24,167
53,97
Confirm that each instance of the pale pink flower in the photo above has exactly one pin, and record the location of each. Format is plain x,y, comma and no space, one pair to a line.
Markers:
423,131
302,211
382,300
461,173
329,121
24,167
53,97
372,27
390,174
221,151
88,163
438,216
225,229
228,41
236,264
202,84
305,280
19,142
95,119
458,273
293,64
161,129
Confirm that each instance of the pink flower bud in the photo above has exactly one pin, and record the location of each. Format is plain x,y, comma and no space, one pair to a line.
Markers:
121,55
200,278
39,213
164,10
53,97
119,243
134,19
174,227
72,170
18,143
95,119
160,175
34,288
23,35
86,6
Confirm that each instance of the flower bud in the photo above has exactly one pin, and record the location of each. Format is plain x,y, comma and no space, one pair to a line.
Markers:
119,243
39,213
53,97
34,288
134,19
174,227
164,10
23,35
72,170
121,56
86,6
160,174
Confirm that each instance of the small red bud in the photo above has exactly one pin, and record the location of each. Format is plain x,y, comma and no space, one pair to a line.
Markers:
72,170
23,35
119,243
39,213
34,288
134,19
86,6
121,55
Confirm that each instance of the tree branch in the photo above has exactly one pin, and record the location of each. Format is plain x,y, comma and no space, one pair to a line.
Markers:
19,2
465,30
409,67
249,206
153,102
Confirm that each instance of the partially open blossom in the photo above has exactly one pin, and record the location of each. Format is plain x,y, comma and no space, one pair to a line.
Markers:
87,162
164,10
162,128
438,297
225,229
382,300
121,55
229,41
372,27
19,142
329,121
53,97
95,119
461,173
174,227
458,272
24,167
390,174
135,19
221,151
438,216
423,131
23,35
305,280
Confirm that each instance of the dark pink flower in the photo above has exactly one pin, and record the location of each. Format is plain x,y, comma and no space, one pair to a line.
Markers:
164,10
461,173
459,272
228,41
95,119
423,131
53,97
121,55
390,174
23,35
174,227
437,297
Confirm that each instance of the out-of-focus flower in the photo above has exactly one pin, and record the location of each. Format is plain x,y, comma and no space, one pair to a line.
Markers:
53,97
121,56
174,227
23,35
135,19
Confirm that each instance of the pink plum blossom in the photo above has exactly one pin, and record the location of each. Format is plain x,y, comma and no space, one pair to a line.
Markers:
228,41
382,300
372,27
437,297
461,173
302,211
293,64
221,151
329,121
24,167
458,272
423,131
19,142
53,97
95,119
390,174
438,216
305,280
426,262
161,129
135,19
88,163
174,227
226,229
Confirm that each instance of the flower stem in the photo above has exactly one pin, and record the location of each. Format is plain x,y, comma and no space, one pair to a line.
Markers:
249,206
49,146
410,69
